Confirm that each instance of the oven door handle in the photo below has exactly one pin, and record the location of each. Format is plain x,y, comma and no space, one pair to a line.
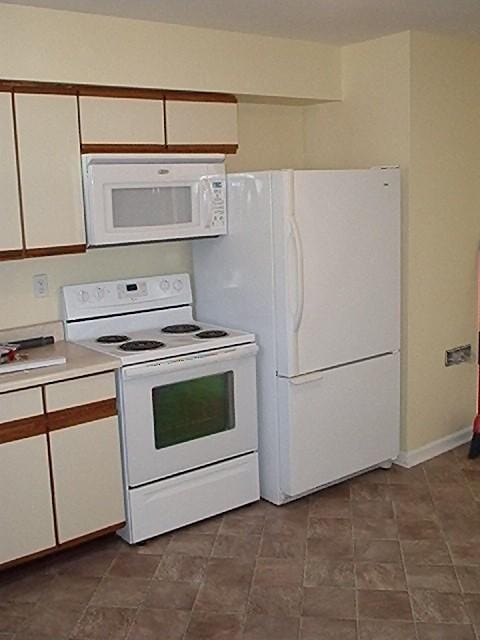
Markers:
189,362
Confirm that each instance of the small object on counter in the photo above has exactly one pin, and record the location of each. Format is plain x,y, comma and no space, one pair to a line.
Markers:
7,353
32,343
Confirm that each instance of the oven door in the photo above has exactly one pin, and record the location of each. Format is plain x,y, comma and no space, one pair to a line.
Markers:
187,412
127,203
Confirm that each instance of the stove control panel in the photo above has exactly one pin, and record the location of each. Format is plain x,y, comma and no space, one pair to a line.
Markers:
121,296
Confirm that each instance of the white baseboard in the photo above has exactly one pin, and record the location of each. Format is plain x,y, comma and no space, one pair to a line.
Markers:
412,458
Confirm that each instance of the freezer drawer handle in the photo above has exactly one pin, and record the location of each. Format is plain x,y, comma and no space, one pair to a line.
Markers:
308,377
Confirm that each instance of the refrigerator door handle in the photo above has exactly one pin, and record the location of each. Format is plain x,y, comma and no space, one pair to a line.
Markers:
300,294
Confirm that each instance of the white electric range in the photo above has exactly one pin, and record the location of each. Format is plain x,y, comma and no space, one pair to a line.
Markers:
186,399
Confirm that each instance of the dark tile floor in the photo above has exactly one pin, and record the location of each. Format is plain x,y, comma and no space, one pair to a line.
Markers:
391,555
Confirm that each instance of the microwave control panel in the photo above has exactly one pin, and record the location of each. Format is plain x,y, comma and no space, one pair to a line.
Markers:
217,205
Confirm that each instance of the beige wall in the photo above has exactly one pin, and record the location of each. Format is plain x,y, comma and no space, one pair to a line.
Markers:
41,44
371,126
413,99
261,147
444,233
20,307
271,137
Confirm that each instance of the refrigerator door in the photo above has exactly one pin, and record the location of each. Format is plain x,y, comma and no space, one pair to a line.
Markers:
337,245
336,423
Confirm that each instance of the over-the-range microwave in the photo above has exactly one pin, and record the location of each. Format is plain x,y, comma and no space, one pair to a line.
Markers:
135,198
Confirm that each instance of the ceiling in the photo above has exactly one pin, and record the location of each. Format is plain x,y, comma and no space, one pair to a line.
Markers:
329,21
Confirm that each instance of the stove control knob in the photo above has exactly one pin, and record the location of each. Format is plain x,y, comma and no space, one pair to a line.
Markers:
178,285
100,293
165,285
83,296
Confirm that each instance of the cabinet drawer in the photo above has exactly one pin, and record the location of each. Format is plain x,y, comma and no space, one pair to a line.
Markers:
121,121
21,415
80,391
16,405
190,123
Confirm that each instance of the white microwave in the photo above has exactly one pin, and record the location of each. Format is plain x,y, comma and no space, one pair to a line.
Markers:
146,198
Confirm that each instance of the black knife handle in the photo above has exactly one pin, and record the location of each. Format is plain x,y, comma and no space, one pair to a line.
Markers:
31,343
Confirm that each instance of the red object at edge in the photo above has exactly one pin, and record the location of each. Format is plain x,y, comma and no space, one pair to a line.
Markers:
476,424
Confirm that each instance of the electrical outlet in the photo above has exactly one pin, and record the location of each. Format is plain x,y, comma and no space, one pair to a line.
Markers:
40,285
458,355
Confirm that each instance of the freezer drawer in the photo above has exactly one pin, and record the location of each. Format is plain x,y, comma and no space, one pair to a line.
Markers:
338,422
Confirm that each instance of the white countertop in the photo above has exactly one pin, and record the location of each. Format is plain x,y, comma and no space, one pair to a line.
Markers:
80,361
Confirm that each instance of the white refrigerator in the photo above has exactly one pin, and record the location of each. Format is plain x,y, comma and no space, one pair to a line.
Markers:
311,265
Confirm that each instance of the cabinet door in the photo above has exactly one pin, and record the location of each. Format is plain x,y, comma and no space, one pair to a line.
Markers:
87,477
26,515
11,236
50,176
205,123
26,511
121,121
85,451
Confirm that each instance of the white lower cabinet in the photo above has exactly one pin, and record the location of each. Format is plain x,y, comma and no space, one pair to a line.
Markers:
60,465
26,511
87,478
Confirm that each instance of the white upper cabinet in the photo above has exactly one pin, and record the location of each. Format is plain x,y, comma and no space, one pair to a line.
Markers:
121,121
42,137
50,176
194,123
11,235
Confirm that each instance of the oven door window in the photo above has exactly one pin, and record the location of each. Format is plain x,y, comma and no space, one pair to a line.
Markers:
193,409
134,207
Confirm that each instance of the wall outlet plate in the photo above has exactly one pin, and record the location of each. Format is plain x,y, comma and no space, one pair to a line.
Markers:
40,285
458,355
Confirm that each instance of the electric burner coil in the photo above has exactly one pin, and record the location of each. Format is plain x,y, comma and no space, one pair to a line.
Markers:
181,328
141,345
211,333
